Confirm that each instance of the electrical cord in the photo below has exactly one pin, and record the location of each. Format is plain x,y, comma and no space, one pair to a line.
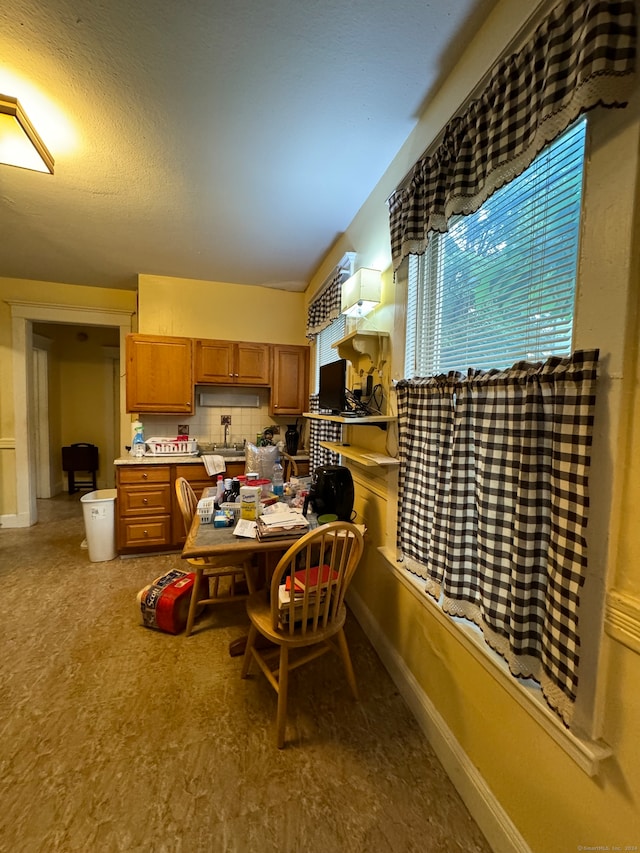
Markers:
376,400
372,407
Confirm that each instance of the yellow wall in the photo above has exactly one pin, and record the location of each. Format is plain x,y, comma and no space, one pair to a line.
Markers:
214,309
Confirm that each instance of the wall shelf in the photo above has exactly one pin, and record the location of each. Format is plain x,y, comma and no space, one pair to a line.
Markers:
373,420
361,455
364,342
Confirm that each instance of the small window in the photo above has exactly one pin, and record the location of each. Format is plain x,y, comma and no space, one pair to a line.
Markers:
499,286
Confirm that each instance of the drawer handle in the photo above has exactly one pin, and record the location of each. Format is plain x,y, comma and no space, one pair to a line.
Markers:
145,501
145,476
146,532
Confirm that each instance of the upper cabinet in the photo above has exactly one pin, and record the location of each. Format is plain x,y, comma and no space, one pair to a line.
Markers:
160,374
232,363
290,380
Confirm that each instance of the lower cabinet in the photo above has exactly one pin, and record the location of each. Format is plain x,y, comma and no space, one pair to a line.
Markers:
149,518
144,508
199,480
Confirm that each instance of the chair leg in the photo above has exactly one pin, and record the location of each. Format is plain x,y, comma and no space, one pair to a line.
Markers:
248,651
248,573
193,604
346,660
283,683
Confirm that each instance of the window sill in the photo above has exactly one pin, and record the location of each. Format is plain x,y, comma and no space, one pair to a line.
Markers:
586,753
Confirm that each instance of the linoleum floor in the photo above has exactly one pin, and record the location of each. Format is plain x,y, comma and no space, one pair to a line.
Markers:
115,737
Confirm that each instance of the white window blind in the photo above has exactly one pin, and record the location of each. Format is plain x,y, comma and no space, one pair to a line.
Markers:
325,353
499,286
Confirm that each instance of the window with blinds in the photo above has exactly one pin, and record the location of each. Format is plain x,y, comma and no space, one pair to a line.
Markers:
499,285
325,353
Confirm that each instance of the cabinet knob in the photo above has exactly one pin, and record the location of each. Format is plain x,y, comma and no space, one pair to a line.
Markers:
145,501
145,476
146,532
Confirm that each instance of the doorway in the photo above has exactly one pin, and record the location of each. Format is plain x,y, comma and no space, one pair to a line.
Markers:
23,316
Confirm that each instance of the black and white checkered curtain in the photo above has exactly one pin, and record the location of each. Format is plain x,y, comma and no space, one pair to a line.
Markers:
321,431
493,506
582,56
326,307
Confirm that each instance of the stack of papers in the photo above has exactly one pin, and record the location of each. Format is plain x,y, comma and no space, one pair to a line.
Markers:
281,523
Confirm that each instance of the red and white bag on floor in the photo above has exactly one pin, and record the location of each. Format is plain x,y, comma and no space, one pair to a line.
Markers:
164,603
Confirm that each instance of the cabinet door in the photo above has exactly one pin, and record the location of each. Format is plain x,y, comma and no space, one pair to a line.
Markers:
290,382
198,479
253,364
215,362
232,363
159,374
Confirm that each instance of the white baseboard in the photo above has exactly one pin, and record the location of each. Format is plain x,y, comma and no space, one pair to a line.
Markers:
498,829
16,520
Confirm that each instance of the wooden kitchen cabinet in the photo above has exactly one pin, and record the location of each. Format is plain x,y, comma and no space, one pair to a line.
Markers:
289,380
160,374
232,363
148,515
144,508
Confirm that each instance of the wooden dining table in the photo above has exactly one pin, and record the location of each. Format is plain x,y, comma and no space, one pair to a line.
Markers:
205,540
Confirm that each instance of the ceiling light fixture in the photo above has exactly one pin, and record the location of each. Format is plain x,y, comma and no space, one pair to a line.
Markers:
20,144
361,293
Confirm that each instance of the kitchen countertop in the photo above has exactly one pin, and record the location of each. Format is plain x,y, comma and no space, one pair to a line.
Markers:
185,459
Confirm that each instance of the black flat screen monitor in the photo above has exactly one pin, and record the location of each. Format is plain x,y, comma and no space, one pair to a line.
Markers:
332,388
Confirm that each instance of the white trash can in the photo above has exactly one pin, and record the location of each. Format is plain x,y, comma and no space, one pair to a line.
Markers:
99,513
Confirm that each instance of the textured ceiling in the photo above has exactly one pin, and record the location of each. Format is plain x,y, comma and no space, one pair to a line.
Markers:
221,141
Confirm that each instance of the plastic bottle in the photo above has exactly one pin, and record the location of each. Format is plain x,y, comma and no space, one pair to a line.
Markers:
235,488
219,490
138,447
277,481
228,496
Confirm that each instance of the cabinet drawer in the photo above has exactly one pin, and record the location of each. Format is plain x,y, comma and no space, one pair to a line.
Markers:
145,533
144,474
150,500
192,472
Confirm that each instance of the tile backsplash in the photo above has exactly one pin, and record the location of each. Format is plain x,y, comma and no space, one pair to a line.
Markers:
205,424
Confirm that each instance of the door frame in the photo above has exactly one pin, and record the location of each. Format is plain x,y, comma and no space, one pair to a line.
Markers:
39,399
23,315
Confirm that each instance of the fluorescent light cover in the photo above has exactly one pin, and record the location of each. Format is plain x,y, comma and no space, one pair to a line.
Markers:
20,144
361,293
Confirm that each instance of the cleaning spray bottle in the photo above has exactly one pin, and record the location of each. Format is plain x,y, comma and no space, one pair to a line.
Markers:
137,446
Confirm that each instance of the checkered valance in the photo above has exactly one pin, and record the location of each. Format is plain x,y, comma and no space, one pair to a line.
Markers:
493,502
326,307
583,55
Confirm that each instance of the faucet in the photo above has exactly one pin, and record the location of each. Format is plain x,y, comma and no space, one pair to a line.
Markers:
226,435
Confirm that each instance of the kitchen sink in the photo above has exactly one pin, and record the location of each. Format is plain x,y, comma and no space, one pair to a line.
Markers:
222,451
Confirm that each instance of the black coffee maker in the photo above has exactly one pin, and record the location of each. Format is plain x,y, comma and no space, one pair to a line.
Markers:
331,492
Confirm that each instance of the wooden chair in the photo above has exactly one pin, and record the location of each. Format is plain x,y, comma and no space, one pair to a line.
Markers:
210,570
289,467
309,623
